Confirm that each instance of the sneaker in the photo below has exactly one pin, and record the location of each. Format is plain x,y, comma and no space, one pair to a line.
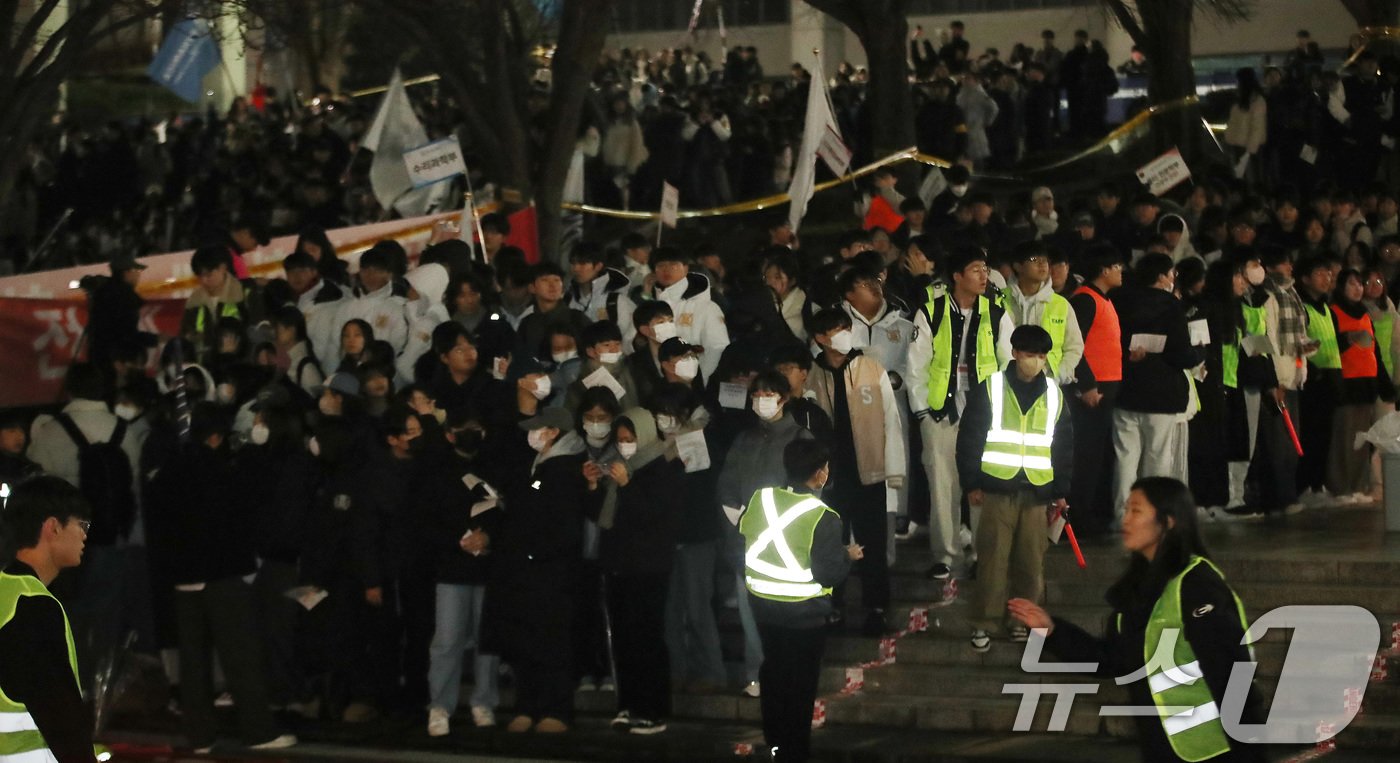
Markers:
280,743
483,717
1242,515
875,624
1205,514
752,690
359,712
224,700
587,684
551,726
939,571
645,727
310,709
519,723
1294,508
607,684
439,723
622,721
1020,633
981,641
909,531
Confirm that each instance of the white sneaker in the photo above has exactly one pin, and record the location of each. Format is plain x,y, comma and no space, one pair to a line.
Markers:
439,722
224,700
607,684
1294,508
981,641
1205,514
280,743
483,717
909,533
587,684
752,690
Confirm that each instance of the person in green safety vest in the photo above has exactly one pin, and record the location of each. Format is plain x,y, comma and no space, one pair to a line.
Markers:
1031,300
42,714
1319,397
794,555
1015,457
1173,615
218,297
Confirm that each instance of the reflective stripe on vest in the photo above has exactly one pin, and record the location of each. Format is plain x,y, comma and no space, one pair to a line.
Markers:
1385,329
1053,319
226,310
1188,711
1357,362
20,739
941,364
778,526
1103,343
1321,330
1013,447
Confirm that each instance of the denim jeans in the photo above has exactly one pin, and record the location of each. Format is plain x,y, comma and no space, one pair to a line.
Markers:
459,626
692,635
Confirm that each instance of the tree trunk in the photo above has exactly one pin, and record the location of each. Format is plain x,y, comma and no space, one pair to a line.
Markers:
888,98
581,41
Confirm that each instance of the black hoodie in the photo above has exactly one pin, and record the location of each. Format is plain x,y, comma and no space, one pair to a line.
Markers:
1157,383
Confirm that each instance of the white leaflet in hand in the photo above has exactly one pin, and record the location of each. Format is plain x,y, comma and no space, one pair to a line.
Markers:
693,452
468,535
1057,526
602,378
1308,154
1199,330
733,396
1148,342
486,505
307,596
1257,344
732,514
472,482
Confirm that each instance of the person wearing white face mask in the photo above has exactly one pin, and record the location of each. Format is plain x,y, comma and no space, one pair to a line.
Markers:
600,347
868,453
699,321
597,411
655,324
536,558
640,519
679,364
1015,456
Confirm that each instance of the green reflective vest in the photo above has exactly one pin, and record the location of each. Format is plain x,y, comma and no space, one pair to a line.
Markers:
1053,320
778,526
940,369
1021,440
1321,330
20,734
1230,353
1189,714
1384,326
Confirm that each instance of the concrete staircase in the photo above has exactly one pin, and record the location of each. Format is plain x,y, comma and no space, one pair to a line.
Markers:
937,683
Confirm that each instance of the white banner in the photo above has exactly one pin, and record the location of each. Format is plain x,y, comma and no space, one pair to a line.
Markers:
670,205
434,162
1164,173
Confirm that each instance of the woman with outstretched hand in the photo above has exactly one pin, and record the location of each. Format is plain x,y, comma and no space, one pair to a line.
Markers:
1172,603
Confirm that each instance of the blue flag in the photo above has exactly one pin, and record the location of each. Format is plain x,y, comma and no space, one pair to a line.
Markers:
187,54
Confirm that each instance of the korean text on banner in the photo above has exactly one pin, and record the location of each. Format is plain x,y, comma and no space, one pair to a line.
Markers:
187,54
434,162
1164,173
670,205
835,152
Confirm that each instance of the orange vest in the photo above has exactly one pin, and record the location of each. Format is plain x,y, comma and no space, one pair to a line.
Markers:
1357,362
1103,344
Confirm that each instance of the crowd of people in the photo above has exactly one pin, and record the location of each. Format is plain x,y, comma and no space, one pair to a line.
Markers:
341,485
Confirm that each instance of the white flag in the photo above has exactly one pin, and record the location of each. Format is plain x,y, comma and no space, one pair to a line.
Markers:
670,205
814,130
395,130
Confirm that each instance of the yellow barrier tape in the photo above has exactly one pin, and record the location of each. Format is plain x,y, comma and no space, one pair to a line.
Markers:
899,157
1369,33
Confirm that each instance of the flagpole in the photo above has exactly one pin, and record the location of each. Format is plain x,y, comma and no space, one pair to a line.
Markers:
471,206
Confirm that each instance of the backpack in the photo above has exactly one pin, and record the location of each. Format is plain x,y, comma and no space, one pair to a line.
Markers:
104,477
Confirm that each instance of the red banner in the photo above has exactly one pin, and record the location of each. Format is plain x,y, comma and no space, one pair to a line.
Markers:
39,336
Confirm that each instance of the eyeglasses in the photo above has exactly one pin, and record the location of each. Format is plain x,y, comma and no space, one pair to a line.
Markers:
83,523
1037,260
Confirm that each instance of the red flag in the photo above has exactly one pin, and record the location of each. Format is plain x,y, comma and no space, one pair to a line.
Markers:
882,215
525,233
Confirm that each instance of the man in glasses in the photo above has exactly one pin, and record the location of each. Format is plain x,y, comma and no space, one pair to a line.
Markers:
41,703
1031,301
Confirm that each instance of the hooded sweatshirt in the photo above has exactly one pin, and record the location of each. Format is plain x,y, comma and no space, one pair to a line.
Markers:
642,539
1184,247
1023,309
598,299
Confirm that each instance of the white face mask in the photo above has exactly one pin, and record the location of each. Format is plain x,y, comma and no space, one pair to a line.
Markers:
597,430
1254,274
538,439
667,423
609,358
664,331
567,355
958,190
627,449
1030,366
126,412
542,387
766,407
314,446
687,368
259,434
841,341
225,393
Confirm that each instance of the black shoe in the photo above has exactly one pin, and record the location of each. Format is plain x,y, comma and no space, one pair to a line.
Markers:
939,571
875,624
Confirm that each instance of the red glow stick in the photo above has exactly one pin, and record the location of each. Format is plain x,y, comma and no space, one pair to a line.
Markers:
1288,422
1074,544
